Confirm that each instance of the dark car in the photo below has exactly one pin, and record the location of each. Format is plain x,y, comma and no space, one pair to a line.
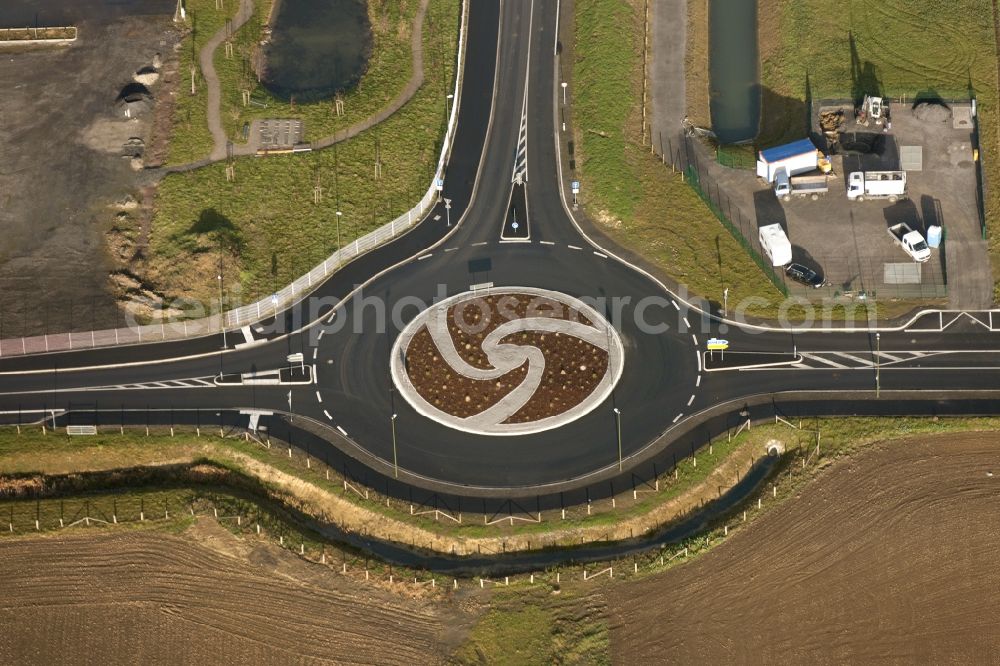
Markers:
804,275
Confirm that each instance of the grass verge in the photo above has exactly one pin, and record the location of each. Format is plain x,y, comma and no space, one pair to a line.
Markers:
534,626
265,229
190,138
634,199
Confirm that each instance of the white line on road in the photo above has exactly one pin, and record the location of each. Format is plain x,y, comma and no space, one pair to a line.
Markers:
319,336
676,307
315,350
574,247
600,254
424,256
319,398
342,431
479,243
450,249
856,359
698,381
687,324
698,356
691,399
678,417
546,242
695,338
824,361
327,414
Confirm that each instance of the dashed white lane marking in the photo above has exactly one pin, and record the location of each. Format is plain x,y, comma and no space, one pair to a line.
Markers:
896,358
450,249
678,417
546,242
676,307
315,377
697,382
600,254
320,336
342,431
687,324
574,247
695,338
698,356
327,414
319,398
315,351
479,243
691,399
425,256
828,362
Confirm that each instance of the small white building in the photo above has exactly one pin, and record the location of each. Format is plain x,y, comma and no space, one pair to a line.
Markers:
776,244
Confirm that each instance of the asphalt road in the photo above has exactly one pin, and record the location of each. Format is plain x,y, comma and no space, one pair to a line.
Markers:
671,397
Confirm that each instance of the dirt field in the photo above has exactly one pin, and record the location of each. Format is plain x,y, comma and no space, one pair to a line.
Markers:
61,141
148,597
887,557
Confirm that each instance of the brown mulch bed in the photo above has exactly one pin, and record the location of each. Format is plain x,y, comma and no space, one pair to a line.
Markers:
446,389
573,367
471,321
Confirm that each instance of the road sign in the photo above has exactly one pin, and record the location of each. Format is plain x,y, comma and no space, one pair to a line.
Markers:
439,184
717,344
575,186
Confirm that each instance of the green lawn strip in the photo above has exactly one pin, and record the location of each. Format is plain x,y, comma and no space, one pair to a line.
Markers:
190,137
530,625
635,199
389,69
902,48
266,226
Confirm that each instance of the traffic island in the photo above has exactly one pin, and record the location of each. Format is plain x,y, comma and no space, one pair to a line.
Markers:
507,362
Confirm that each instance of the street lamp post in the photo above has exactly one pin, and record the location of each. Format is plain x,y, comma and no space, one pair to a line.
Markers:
222,314
725,302
618,423
447,211
878,364
395,460
339,255
564,84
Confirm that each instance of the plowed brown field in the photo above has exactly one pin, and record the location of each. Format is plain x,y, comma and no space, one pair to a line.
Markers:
889,556
153,598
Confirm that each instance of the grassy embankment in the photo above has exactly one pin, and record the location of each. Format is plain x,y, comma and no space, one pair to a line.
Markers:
32,453
633,198
388,70
266,226
899,47
190,139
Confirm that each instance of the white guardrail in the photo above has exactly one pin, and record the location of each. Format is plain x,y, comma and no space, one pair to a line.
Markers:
272,304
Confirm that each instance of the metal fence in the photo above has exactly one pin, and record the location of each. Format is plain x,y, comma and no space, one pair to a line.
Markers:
275,303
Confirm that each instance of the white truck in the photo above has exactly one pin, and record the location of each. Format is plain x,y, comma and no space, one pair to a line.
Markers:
811,186
889,185
911,241
775,244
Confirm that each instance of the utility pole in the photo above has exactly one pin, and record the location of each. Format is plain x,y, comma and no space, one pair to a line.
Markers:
395,460
222,314
618,422
878,364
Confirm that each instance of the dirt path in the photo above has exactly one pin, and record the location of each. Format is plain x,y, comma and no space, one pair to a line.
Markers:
212,79
214,93
205,597
887,557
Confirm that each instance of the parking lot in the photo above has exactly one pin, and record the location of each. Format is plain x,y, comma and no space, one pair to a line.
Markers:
848,242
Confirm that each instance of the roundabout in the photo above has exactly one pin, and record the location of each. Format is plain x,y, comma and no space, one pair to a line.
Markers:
511,361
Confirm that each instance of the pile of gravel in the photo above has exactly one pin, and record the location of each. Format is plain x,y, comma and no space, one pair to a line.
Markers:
932,113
